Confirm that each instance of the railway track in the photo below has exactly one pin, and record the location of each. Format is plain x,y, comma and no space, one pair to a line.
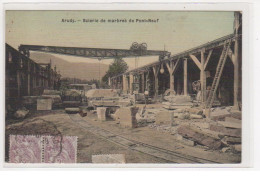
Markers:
161,154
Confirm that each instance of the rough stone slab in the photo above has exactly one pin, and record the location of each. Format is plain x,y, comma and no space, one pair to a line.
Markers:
83,113
198,137
213,134
21,113
195,111
187,142
237,147
178,137
51,92
236,114
231,140
101,113
71,103
184,115
55,98
96,93
173,106
202,125
106,103
164,118
109,158
72,93
195,116
29,100
225,149
233,120
127,116
218,113
218,118
179,99
226,131
230,124
124,103
72,110
44,104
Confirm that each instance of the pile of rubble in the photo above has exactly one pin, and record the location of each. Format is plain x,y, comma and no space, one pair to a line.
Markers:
48,100
107,98
177,101
179,116
21,113
190,126
146,116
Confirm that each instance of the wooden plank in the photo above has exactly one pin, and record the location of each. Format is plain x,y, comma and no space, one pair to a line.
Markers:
208,58
196,61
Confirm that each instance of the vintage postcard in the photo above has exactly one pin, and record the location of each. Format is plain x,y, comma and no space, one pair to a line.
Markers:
123,87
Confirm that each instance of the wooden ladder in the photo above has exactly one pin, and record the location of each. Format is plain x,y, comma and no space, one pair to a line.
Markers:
218,74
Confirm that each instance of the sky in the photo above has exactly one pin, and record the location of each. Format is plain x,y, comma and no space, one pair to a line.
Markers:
174,31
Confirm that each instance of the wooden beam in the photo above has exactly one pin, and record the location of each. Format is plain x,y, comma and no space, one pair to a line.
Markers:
175,66
155,70
169,67
231,55
156,81
208,58
172,67
196,61
185,75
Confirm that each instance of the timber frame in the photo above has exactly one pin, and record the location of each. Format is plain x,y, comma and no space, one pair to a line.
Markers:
201,56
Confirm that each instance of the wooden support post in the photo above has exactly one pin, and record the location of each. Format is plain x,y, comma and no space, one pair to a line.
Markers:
143,82
172,82
156,81
29,84
109,81
131,81
18,79
114,83
203,77
172,68
185,74
124,84
236,63
28,79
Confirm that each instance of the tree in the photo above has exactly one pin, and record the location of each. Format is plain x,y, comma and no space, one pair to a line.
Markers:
119,66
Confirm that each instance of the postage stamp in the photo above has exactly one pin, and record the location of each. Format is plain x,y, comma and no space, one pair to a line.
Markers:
42,149
25,149
58,149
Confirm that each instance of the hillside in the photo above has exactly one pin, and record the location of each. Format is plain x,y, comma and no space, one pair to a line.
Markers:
68,69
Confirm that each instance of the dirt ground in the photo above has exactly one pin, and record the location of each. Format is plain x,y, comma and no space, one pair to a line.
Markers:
58,122
88,143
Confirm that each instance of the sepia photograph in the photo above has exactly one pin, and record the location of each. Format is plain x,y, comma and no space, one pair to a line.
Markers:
123,87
